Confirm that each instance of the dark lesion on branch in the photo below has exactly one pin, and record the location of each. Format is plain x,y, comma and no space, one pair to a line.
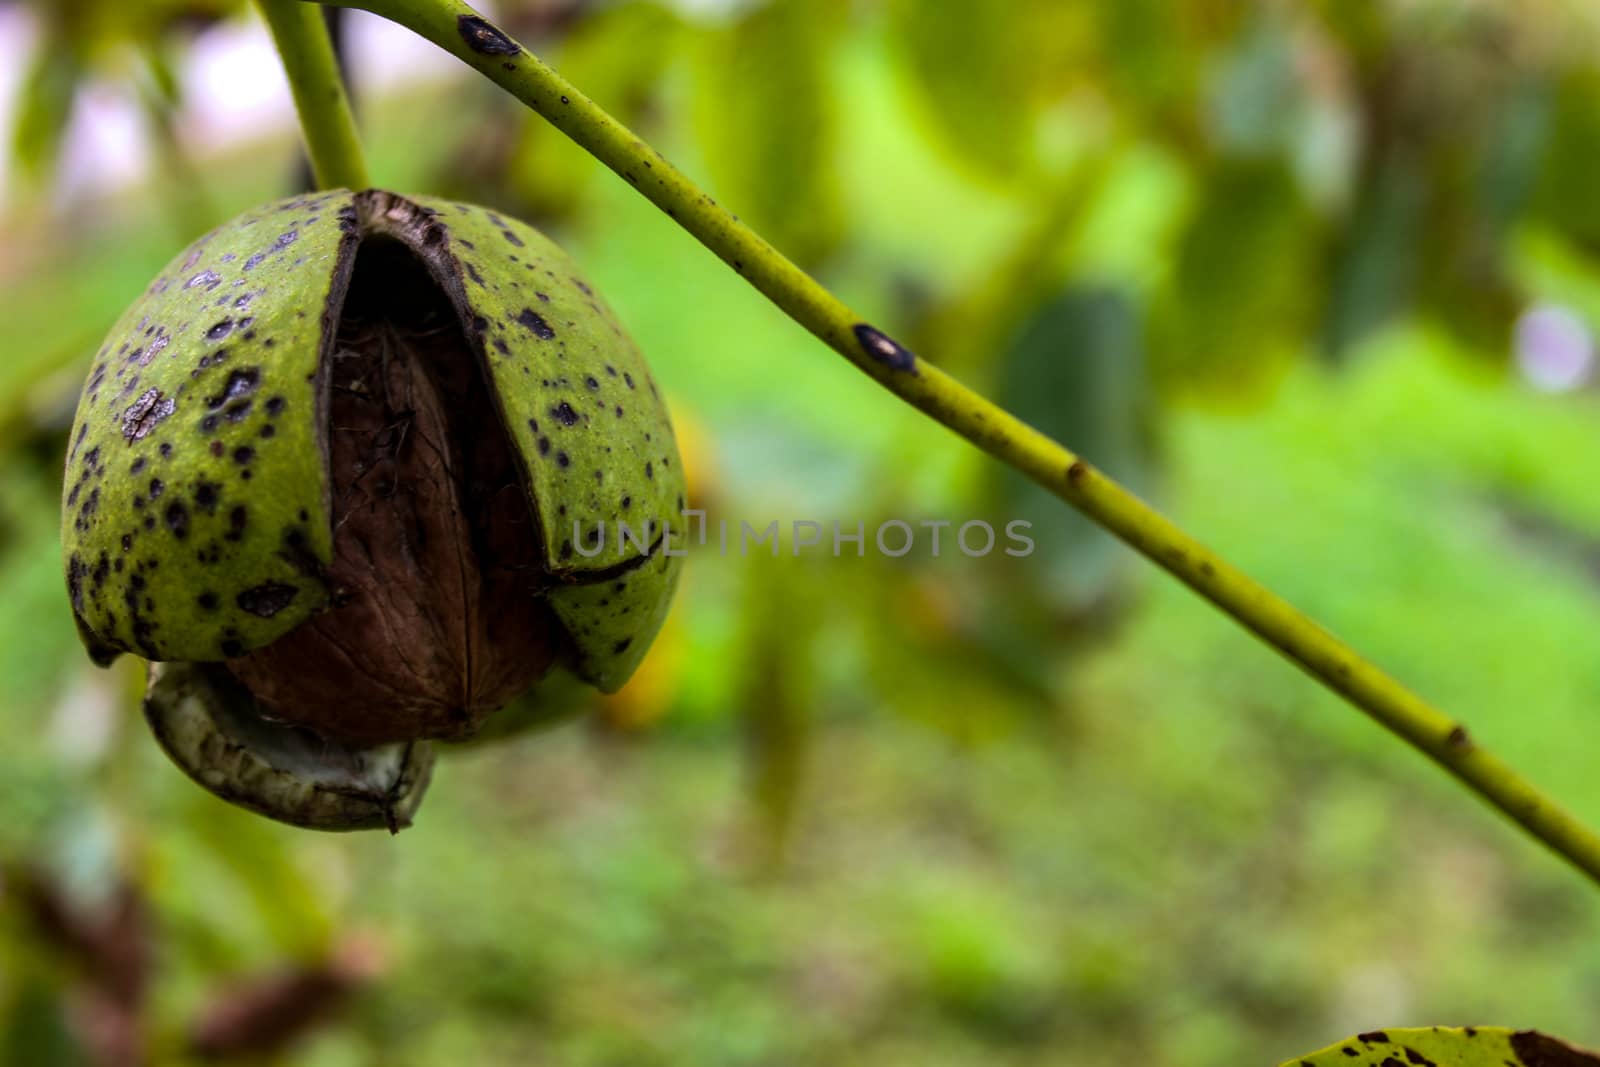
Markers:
485,38
884,349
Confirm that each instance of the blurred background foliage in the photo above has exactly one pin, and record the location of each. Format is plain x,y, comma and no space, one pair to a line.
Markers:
1322,278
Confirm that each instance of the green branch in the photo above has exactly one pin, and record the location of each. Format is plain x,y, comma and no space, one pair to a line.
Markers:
332,143
459,30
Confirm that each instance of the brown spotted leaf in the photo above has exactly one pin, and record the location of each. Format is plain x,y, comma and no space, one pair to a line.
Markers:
1439,1046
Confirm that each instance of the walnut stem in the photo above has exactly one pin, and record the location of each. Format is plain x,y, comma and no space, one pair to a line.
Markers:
329,126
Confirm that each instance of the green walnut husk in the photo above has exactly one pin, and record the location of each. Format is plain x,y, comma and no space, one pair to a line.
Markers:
353,468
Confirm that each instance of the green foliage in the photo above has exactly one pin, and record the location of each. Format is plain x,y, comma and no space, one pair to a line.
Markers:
766,123
1078,371
1373,274
618,55
1154,59
36,1030
1564,195
983,79
1238,301
1001,846
46,106
78,40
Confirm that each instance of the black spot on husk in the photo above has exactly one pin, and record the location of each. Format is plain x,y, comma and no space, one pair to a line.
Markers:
267,600
536,323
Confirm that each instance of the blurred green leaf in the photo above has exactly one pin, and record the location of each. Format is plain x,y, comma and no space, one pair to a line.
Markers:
44,106
1241,289
258,855
1552,267
966,332
618,55
764,117
161,73
1487,1046
943,649
100,27
1479,186
1569,174
1256,98
1361,26
1373,265
984,74
37,641
1449,150
777,690
1077,371
78,40
33,1027
979,959
1154,56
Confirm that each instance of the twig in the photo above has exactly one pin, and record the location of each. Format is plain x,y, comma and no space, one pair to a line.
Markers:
332,143
461,31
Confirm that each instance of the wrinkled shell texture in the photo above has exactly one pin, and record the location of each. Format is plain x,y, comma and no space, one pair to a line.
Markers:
203,722
197,517
439,618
